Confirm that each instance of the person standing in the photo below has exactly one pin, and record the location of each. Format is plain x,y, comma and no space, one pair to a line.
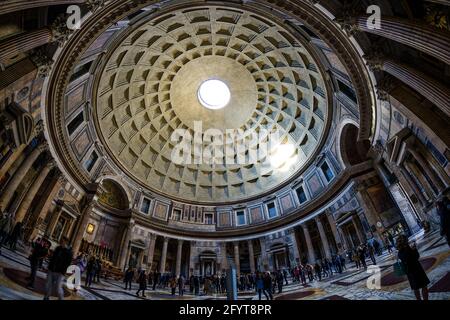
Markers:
142,281
155,280
444,215
40,251
318,271
181,285
279,280
260,286
361,251
372,251
98,269
173,285
90,271
409,257
196,285
267,289
57,267
128,278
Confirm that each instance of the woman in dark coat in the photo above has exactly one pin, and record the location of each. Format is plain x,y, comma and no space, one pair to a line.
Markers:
142,281
409,256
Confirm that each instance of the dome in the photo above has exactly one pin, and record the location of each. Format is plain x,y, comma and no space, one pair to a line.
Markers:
154,126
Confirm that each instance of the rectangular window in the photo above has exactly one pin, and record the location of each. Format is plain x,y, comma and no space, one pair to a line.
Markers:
177,215
90,162
145,206
349,92
327,171
301,194
209,219
80,71
240,218
75,123
272,210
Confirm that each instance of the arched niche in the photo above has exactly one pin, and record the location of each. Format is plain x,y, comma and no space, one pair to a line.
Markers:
353,151
111,194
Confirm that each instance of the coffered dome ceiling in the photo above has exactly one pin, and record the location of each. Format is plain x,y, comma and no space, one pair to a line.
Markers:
148,89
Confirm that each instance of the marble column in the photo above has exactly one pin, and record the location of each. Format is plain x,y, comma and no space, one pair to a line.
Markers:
311,256
125,245
55,213
10,6
411,167
435,91
413,184
251,256
358,230
85,215
19,175
151,251
178,263
428,170
413,33
236,258
345,242
47,208
24,206
323,238
162,267
223,250
23,42
336,235
264,261
12,161
295,247
191,257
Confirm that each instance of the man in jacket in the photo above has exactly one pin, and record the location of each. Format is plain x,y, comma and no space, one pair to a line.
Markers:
39,252
59,262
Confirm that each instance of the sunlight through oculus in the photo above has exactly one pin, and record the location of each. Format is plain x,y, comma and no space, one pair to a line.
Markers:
214,94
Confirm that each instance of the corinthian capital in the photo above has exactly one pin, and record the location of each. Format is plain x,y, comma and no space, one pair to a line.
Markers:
347,19
94,5
42,61
374,59
384,87
60,30
43,147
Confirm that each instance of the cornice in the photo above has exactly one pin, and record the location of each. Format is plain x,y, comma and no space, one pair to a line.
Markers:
285,221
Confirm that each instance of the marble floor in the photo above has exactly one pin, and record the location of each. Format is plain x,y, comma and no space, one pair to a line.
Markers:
352,284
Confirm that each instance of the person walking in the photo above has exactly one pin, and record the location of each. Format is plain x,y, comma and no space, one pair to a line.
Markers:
155,280
128,278
98,269
260,286
444,215
181,285
57,267
267,288
90,271
409,257
372,251
142,281
40,251
361,251
173,285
